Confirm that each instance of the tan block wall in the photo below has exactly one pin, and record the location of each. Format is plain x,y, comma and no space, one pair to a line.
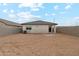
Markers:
73,30
2,24
7,30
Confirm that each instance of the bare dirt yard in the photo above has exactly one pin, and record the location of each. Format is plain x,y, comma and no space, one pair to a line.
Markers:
39,45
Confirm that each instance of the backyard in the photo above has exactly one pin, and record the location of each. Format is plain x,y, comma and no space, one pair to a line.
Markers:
39,45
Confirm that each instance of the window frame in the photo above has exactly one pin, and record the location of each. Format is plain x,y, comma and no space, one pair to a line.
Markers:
28,28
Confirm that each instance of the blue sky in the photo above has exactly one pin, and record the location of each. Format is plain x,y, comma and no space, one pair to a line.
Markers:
65,14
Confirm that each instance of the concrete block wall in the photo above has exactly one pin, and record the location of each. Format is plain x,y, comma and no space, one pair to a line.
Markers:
4,30
70,30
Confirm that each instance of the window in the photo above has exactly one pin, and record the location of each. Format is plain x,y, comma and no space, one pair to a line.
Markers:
28,28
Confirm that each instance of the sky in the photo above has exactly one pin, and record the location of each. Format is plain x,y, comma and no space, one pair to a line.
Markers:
65,14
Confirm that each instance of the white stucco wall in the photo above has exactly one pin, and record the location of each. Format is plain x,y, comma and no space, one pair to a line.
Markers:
54,29
37,28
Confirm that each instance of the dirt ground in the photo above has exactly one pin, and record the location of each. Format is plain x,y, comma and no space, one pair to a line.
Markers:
39,45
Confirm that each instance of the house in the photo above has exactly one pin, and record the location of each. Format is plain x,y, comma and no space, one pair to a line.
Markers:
8,27
39,27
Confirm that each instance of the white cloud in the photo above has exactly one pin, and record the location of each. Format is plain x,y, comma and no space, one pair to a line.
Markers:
33,6
22,17
12,15
67,7
38,16
8,11
4,4
12,11
19,17
46,14
76,18
24,14
35,9
56,7
5,10
25,5
53,14
0,4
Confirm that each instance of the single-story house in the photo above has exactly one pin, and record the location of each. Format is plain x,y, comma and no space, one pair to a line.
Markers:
8,27
39,27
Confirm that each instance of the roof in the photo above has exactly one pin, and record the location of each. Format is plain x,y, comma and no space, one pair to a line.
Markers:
39,22
9,22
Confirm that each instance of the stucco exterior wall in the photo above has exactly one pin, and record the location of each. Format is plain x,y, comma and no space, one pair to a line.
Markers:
38,28
7,30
